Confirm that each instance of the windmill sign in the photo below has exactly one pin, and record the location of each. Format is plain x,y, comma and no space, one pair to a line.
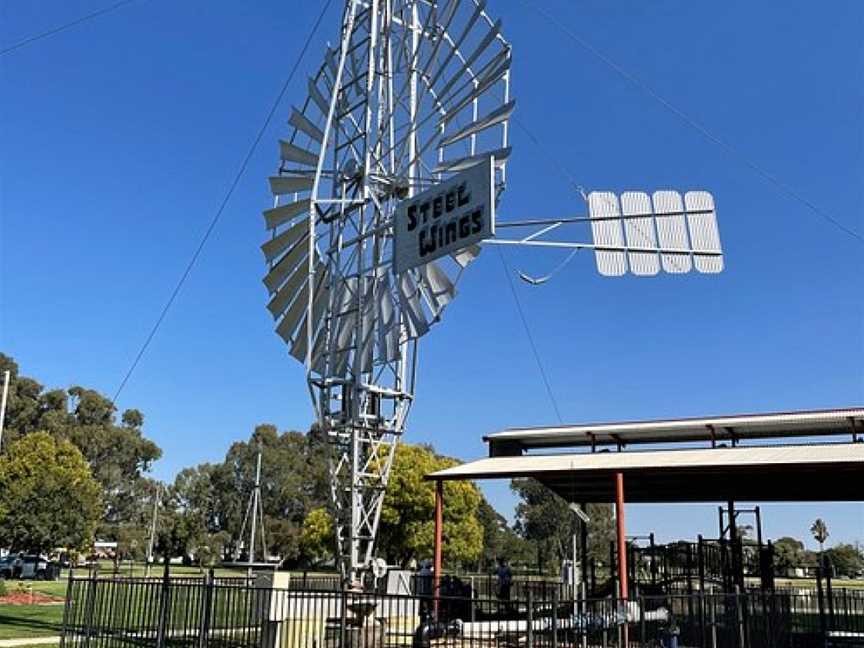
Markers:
446,218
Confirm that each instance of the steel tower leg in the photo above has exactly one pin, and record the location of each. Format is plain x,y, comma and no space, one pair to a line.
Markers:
363,410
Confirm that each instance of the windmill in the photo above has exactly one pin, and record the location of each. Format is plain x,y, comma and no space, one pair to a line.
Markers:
388,183
255,518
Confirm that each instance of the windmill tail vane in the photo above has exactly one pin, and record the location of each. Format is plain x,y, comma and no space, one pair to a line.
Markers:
634,233
389,177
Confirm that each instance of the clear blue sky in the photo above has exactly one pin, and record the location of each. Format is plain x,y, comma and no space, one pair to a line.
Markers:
121,135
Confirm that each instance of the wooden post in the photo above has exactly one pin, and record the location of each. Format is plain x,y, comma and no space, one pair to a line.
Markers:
439,531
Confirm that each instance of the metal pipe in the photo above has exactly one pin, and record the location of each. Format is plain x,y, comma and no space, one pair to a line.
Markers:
593,219
604,248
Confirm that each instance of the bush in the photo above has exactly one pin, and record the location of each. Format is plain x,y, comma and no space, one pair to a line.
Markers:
3,591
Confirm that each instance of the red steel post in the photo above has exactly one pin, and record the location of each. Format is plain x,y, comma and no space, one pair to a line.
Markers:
622,538
439,530
622,548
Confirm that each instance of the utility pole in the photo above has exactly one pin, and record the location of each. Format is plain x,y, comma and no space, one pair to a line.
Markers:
3,405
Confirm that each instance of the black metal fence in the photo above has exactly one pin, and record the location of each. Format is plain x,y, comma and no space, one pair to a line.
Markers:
232,612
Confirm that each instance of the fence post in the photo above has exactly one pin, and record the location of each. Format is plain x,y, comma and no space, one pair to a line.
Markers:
555,616
343,617
688,568
829,591
88,611
163,605
713,603
530,642
823,628
67,607
206,605
653,559
473,597
642,619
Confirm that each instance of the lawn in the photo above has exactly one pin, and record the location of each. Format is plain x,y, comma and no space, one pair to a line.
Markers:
27,621
810,583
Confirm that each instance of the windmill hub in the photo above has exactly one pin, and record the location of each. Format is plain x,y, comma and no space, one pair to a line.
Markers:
351,171
390,186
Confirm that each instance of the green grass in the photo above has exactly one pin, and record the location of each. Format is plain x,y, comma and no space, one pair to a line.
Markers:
810,583
27,621
106,568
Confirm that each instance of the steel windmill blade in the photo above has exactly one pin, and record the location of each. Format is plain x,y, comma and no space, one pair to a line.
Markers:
414,94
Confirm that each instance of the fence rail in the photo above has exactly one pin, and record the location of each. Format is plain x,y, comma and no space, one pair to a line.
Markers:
211,611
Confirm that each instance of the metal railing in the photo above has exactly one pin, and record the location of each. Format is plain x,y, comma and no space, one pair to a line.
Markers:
227,612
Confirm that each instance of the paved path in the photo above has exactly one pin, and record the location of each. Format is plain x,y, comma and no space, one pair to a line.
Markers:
32,641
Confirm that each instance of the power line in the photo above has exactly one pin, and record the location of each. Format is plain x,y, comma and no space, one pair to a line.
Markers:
690,121
224,203
507,272
64,27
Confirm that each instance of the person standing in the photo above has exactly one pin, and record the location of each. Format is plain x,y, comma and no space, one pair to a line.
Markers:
505,579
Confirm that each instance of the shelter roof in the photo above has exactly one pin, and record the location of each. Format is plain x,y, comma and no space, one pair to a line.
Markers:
717,428
821,472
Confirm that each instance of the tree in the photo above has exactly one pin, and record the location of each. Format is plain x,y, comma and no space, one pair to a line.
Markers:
207,504
499,540
317,539
788,554
744,532
820,532
118,455
545,519
48,496
294,480
407,526
847,560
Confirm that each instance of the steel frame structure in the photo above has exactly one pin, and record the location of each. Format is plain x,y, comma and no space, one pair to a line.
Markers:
416,91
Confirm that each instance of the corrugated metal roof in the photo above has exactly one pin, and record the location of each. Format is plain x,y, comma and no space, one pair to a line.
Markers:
531,465
821,472
752,426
